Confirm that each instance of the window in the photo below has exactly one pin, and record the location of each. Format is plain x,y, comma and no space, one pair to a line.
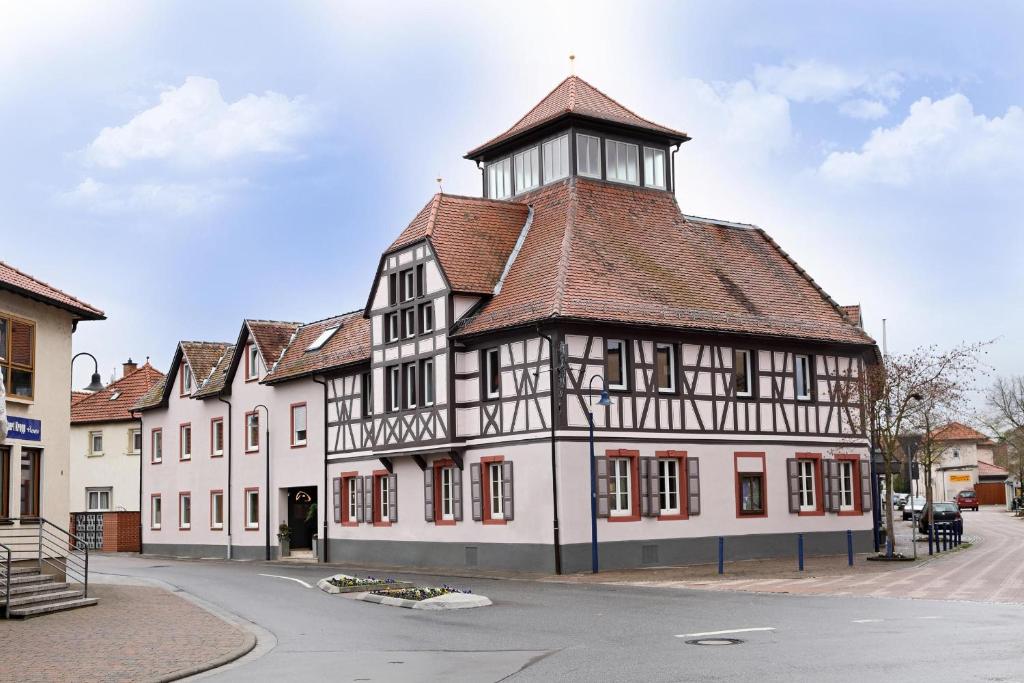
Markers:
615,365
217,436
114,396
409,370
741,368
5,482
154,511
619,491
351,500
392,289
495,485
383,511
17,356
97,500
252,363
30,458
556,158
654,168
408,285
446,476
421,280
499,179
252,509
805,468
252,432
391,326
184,511
156,446
409,322
185,442
803,378
298,424
845,485
527,170
752,493
216,510
588,155
186,379
492,373
665,367
622,161
134,441
95,443
427,382
366,394
322,338
427,317
393,382
668,486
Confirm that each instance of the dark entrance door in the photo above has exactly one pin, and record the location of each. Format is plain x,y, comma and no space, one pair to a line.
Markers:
300,500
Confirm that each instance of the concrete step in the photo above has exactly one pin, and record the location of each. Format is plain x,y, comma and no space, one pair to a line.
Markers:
44,597
24,570
34,588
24,579
51,607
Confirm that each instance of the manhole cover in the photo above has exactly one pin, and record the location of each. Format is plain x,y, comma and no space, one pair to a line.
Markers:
714,641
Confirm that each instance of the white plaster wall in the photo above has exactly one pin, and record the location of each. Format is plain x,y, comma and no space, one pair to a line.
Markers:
117,469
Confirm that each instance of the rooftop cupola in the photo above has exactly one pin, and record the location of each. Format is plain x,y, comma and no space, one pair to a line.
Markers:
577,130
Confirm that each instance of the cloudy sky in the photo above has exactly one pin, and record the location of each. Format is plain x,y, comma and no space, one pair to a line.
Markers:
183,165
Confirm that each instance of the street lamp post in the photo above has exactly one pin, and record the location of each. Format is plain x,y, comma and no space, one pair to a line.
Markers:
604,400
96,384
266,432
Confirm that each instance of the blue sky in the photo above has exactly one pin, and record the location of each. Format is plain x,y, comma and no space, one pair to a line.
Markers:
184,165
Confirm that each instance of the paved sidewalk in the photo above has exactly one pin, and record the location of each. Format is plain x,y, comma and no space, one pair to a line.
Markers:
135,633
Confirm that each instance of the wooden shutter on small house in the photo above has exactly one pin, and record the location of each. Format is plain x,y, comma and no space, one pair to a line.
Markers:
428,494
392,497
368,498
693,485
359,499
475,492
645,498
601,466
507,502
337,500
793,476
865,485
831,479
654,486
457,494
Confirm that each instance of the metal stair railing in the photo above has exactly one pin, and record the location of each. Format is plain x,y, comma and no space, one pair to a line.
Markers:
7,580
37,538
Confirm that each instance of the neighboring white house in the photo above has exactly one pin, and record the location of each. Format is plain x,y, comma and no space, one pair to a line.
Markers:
965,463
106,443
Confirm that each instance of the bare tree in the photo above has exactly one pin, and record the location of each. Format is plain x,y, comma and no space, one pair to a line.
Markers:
1005,400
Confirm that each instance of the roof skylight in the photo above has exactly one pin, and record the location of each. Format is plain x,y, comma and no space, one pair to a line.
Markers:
322,339
114,396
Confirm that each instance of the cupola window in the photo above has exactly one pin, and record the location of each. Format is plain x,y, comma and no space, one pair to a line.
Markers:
588,156
527,169
499,179
556,158
654,168
622,162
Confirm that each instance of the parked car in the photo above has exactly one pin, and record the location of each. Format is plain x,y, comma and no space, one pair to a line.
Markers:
967,500
944,514
913,506
899,500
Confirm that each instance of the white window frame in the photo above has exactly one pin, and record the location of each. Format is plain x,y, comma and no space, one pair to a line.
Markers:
99,493
749,391
391,332
492,359
615,148
500,170
447,493
252,362
382,497
409,322
802,374
409,385
182,507
427,381
527,169
620,470
657,154
185,453
408,284
394,388
555,159
808,490
134,434
583,155
296,441
846,488
623,363
186,382
495,484
93,435
252,508
323,337
156,511
217,425
668,485
157,444
426,316
214,524
352,503
252,438
671,388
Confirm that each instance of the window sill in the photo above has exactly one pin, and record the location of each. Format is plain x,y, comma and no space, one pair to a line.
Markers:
810,513
216,528
13,398
849,513
624,518
675,517
444,522
154,528
94,455
377,524
495,522
252,450
216,455
252,528
134,453
752,515
156,462
299,445
349,523
184,528
188,459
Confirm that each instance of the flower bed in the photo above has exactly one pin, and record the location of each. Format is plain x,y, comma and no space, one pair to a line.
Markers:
343,583
416,593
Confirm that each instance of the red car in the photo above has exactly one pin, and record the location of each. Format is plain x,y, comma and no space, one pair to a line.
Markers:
967,500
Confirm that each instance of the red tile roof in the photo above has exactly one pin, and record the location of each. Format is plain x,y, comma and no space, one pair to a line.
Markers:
349,345
77,396
605,252
853,314
104,407
16,281
271,337
957,431
575,96
217,376
987,469
472,237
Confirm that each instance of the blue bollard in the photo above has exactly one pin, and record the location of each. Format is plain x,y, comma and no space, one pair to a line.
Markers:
849,547
944,532
721,554
800,550
930,547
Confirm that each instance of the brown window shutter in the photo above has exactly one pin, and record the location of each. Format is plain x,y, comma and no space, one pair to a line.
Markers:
507,497
337,500
793,471
21,343
475,492
654,487
368,499
392,497
601,466
865,485
457,494
428,494
644,468
359,499
693,486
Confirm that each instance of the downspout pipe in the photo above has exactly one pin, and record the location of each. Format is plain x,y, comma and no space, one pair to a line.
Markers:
554,461
227,501
142,439
321,504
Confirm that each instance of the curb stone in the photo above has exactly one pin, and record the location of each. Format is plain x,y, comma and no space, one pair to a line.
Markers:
327,587
441,602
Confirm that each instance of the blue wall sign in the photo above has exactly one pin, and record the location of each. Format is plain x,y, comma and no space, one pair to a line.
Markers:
24,428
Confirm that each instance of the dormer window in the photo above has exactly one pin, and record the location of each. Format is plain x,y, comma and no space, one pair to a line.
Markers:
654,168
588,155
252,365
556,158
186,380
527,169
499,179
408,285
622,162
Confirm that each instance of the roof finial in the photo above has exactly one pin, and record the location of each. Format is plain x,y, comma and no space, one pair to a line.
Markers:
440,181
572,64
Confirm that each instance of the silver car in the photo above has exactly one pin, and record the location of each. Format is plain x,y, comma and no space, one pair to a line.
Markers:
913,508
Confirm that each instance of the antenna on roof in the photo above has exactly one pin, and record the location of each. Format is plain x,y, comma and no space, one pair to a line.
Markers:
572,64
440,180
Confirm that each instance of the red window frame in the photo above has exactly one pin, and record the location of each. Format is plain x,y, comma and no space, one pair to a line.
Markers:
380,478
213,423
438,515
245,508
819,486
152,445
181,442
346,520
858,499
684,480
291,428
159,497
485,488
634,484
248,351
738,492
255,448
214,492
181,494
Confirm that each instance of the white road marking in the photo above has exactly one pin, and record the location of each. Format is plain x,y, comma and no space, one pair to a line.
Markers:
867,621
722,633
927,617
275,576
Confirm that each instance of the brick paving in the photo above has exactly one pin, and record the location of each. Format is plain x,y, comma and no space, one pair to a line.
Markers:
990,570
135,633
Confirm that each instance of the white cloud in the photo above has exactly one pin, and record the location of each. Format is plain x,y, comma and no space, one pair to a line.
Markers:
175,198
193,125
736,115
940,139
864,109
813,81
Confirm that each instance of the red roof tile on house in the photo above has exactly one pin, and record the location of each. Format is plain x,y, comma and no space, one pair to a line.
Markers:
348,345
605,252
987,469
957,431
271,337
575,96
116,401
16,281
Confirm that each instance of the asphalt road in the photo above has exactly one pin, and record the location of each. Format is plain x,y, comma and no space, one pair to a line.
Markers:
539,631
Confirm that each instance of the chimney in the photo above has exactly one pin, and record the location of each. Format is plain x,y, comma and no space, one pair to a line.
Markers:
128,367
